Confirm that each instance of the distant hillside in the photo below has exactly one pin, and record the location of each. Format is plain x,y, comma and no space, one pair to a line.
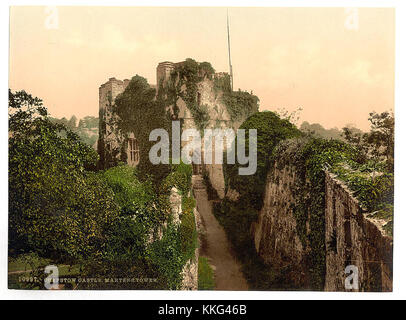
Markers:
319,131
87,128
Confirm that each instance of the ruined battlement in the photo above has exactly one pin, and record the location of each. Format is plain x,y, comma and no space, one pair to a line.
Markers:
109,91
219,75
163,71
208,98
113,87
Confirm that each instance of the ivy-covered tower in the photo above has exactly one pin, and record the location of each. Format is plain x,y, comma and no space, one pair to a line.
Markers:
190,92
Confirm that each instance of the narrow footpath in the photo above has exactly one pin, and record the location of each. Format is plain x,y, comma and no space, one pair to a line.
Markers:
215,245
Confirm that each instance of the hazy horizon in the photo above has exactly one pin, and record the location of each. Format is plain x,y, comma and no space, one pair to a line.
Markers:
289,57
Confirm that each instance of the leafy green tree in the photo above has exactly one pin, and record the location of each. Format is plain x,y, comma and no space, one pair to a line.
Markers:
271,129
89,122
382,136
56,207
378,144
355,137
72,122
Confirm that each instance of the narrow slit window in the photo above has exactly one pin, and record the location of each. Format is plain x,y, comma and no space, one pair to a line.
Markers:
134,152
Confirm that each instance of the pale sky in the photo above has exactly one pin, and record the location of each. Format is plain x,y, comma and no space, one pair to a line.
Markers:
336,68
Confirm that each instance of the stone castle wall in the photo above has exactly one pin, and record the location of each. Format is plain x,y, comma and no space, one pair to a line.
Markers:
275,236
112,89
108,92
191,268
207,95
355,239
351,237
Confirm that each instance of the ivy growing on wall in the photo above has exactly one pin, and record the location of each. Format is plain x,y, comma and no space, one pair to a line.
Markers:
239,104
137,111
271,129
373,189
184,84
311,157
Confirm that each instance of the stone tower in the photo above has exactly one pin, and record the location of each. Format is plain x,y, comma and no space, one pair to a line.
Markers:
108,140
108,92
209,97
163,72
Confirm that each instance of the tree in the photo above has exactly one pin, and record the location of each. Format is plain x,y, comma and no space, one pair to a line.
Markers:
319,131
72,122
293,116
89,122
355,137
382,137
271,129
57,208
378,144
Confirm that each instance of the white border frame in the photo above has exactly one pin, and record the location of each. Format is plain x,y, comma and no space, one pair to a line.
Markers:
399,281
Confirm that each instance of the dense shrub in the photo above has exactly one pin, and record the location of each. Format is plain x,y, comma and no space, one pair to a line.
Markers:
111,224
134,247
187,229
169,254
270,131
56,207
165,255
136,198
179,177
124,255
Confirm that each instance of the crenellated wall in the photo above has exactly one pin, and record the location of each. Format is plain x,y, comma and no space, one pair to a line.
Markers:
352,238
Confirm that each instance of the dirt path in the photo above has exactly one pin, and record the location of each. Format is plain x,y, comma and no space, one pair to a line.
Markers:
216,247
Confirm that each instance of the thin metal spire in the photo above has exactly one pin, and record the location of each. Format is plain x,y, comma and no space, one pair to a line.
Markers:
229,53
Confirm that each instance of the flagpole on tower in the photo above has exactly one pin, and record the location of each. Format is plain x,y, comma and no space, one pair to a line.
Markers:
229,53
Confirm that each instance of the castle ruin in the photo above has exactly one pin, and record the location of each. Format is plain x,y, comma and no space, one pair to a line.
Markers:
208,96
